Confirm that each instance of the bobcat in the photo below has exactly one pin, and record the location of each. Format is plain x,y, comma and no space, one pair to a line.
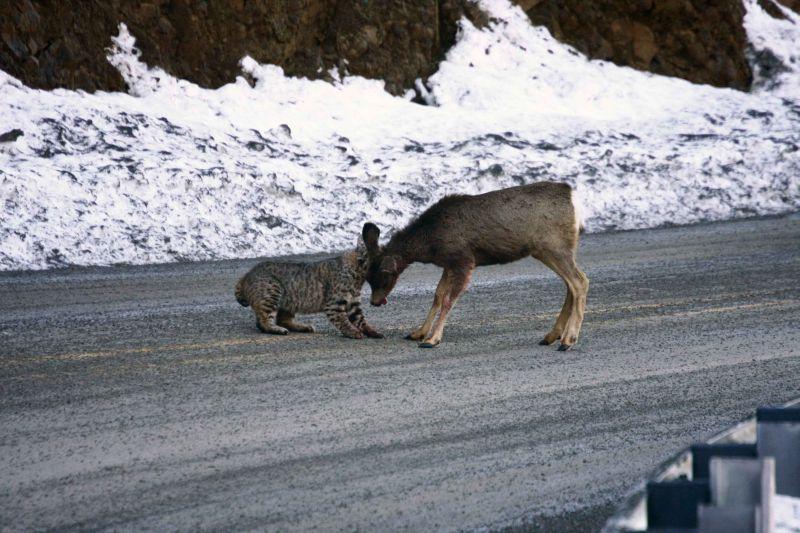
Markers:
277,290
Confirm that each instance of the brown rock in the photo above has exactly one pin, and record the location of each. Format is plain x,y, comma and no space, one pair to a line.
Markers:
702,41
527,4
371,36
771,7
147,11
794,5
644,44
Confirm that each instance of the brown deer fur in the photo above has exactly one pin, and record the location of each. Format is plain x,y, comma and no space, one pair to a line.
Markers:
460,232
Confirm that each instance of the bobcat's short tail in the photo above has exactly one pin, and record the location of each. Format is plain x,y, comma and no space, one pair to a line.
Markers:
240,296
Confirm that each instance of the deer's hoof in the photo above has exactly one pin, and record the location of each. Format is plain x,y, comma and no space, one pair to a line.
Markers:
428,344
544,342
564,347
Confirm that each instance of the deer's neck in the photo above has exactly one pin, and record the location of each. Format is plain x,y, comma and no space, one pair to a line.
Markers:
407,247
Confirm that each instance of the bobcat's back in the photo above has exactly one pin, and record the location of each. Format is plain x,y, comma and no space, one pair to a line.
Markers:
302,287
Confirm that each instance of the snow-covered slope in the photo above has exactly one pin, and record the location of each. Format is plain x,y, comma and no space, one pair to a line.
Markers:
173,171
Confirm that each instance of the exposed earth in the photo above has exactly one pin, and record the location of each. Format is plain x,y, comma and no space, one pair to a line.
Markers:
49,45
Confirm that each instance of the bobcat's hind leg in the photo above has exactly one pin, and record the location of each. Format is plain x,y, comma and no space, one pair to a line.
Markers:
265,319
286,320
265,307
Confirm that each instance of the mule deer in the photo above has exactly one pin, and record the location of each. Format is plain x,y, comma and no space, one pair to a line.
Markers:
460,232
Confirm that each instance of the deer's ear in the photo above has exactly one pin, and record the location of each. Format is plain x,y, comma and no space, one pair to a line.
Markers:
371,234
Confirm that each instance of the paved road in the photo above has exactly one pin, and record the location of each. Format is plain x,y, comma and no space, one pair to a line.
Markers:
144,397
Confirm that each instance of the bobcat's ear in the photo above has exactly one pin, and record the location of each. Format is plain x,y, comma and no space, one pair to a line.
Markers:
371,234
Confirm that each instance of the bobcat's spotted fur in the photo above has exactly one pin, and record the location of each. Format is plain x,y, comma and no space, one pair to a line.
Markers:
277,290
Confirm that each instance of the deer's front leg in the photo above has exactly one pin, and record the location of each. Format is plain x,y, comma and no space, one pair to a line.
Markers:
356,317
459,280
441,290
336,311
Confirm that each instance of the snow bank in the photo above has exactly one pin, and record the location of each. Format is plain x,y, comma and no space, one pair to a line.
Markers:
173,171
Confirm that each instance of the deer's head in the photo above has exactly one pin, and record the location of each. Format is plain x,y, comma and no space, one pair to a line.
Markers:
384,269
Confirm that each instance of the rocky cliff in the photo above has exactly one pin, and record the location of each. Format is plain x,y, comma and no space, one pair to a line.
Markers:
699,40
62,44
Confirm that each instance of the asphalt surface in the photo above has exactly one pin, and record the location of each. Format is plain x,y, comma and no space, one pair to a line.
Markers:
144,397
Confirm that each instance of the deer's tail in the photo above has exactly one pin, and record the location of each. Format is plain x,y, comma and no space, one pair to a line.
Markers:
578,209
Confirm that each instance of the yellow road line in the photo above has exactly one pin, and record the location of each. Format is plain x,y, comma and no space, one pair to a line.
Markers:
267,340
678,314
150,349
725,309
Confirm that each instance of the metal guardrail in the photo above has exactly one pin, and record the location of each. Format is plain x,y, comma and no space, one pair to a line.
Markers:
715,485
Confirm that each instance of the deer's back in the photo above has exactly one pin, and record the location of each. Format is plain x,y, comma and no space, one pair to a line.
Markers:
500,226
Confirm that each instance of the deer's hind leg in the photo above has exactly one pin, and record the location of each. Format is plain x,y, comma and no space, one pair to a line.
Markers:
265,304
568,324
566,310
561,322
286,319
441,289
580,288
